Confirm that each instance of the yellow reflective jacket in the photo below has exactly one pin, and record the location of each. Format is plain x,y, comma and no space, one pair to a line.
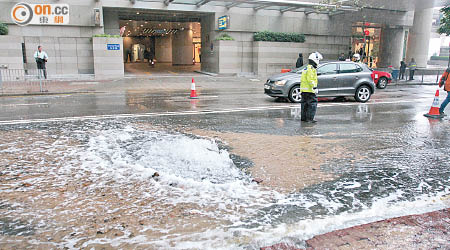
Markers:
308,80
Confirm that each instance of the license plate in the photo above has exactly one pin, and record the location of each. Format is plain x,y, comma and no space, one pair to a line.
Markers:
267,86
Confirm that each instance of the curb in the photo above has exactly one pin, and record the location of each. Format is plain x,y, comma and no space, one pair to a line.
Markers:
413,83
48,93
205,73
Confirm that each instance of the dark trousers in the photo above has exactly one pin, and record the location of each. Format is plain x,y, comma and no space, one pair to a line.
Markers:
309,106
402,74
411,74
42,69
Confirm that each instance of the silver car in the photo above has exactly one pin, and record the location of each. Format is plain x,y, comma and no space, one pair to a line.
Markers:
335,79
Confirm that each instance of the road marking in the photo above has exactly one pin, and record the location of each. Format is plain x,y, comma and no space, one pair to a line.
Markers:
185,113
23,104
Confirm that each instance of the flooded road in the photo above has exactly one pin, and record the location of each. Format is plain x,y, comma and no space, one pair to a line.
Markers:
185,179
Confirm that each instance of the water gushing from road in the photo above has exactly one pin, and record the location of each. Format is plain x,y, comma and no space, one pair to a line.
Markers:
197,171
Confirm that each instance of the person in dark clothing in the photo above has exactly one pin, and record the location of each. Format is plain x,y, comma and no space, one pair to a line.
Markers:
147,55
412,69
151,58
402,70
342,57
299,62
350,53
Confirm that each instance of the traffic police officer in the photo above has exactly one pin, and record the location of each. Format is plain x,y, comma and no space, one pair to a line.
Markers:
308,88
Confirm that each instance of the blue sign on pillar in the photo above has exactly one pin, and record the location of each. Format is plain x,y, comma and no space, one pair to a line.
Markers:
224,22
113,46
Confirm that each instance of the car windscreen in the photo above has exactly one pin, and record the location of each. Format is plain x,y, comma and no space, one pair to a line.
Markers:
299,70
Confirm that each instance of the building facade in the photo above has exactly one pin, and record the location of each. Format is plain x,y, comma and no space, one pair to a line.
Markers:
186,32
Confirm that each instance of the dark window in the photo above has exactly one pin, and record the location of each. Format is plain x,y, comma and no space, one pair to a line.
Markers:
327,69
349,68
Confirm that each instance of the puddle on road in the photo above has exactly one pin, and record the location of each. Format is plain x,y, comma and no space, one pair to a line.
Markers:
83,185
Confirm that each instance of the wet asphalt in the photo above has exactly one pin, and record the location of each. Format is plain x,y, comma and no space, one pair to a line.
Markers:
400,151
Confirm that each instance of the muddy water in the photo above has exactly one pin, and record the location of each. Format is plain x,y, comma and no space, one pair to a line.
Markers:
82,185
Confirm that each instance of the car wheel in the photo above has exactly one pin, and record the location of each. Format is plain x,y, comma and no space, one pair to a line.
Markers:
363,93
382,83
295,95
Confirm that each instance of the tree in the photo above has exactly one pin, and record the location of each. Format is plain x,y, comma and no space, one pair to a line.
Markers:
3,29
444,28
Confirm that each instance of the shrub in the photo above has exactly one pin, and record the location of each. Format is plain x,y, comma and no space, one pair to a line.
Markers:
269,36
3,29
224,37
106,35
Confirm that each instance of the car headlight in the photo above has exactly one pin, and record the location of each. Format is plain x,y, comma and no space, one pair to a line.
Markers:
281,83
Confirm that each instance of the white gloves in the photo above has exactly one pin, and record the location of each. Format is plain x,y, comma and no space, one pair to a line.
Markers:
316,90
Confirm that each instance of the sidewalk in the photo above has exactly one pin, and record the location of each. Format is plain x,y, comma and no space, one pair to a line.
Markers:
48,87
137,83
423,231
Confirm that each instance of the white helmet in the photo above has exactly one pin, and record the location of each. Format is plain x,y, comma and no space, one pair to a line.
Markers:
315,57
357,56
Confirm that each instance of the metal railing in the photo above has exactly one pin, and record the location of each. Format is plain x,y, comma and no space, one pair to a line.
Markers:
27,79
427,76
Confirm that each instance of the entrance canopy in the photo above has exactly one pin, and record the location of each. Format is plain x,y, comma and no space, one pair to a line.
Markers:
280,5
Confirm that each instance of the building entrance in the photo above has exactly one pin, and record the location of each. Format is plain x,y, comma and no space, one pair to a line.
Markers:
160,43
366,42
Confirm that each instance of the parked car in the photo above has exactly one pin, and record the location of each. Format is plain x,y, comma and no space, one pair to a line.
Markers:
381,78
335,79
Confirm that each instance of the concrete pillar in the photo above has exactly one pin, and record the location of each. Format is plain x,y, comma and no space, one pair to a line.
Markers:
391,47
182,48
163,48
419,36
111,23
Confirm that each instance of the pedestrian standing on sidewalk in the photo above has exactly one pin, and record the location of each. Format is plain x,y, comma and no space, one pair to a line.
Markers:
308,88
299,62
41,58
445,81
402,70
412,68
342,57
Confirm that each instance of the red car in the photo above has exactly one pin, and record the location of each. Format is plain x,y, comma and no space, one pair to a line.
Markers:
381,79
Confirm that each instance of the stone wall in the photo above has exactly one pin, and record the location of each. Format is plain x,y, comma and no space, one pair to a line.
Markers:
67,56
11,52
271,57
108,64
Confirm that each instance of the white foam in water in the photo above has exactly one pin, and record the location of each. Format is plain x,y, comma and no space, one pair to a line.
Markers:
197,171
381,209
194,169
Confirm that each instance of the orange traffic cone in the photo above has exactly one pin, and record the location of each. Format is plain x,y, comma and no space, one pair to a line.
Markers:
434,110
193,92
